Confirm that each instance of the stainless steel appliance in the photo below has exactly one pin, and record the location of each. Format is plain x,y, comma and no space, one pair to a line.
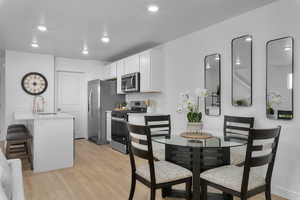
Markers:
119,131
102,96
131,82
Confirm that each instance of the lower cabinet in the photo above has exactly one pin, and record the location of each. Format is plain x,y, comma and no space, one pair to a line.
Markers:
108,126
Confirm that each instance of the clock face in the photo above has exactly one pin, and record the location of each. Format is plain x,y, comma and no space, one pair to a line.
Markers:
34,83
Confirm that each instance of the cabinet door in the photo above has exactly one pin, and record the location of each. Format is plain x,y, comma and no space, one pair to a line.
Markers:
145,72
113,70
120,73
108,126
132,64
106,72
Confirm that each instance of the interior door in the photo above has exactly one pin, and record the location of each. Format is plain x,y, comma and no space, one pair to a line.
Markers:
70,99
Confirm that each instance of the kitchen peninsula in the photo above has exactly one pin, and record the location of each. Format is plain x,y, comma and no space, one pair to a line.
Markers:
53,139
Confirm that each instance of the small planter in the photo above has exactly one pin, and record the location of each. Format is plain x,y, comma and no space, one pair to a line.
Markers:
194,127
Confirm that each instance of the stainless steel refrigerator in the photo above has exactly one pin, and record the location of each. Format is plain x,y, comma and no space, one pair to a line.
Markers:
102,97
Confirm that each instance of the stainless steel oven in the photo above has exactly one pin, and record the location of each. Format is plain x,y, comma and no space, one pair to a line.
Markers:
119,132
131,82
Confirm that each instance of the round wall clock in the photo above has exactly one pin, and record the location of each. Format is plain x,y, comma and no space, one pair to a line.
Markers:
34,83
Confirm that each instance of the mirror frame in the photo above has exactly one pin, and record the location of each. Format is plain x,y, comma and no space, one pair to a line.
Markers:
293,74
220,84
251,65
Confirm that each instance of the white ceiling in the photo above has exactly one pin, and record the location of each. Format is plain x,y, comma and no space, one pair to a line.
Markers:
71,23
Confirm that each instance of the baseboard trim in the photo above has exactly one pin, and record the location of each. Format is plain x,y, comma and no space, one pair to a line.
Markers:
290,195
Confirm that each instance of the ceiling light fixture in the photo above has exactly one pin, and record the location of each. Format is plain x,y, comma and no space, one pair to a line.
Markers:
105,39
217,58
42,28
238,62
153,8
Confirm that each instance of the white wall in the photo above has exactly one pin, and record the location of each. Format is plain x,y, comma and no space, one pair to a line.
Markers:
17,64
2,92
184,71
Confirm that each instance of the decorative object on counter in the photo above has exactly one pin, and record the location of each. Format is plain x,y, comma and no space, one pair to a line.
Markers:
191,105
212,82
279,76
241,78
193,135
38,104
150,106
34,83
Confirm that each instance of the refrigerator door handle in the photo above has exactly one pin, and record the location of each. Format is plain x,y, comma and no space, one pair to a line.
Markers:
89,101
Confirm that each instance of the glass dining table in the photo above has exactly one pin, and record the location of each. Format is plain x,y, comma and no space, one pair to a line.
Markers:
198,155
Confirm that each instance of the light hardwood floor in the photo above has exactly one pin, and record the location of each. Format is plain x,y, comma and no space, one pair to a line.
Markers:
99,174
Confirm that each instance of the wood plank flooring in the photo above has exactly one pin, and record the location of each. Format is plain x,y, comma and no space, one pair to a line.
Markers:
100,173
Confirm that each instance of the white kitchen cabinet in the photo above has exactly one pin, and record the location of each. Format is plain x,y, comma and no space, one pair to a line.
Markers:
120,73
132,64
110,71
108,125
151,70
113,70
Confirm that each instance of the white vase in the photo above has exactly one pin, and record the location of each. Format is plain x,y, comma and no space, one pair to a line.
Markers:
194,127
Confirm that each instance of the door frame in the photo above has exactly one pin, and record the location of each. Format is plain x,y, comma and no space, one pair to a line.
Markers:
85,115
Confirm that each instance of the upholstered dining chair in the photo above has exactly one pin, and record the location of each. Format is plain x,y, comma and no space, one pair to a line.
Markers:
237,128
153,174
160,125
246,181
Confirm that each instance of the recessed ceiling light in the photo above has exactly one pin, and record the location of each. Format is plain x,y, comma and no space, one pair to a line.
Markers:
85,52
248,39
34,45
105,39
217,58
42,28
153,8
238,62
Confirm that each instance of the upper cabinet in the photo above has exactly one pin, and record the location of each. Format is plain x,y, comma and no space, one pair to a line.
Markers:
120,73
110,71
150,65
132,64
151,70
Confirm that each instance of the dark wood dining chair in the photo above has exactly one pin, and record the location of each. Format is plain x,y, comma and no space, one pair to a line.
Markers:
237,128
154,174
160,125
245,182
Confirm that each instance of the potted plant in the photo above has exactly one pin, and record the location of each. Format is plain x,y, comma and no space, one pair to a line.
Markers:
190,104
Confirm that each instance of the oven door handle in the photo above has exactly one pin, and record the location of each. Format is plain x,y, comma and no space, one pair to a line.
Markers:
118,119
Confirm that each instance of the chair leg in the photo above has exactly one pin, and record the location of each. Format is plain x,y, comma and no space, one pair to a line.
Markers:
188,188
132,189
203,189
29,152
268,192
153,193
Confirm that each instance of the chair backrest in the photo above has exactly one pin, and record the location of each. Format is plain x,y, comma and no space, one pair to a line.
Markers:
261,150
140,145
160,125
237,127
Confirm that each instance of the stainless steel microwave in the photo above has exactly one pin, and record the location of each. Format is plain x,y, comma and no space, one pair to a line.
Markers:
131,82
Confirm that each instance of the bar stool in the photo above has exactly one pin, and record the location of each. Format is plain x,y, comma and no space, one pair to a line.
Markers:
18,143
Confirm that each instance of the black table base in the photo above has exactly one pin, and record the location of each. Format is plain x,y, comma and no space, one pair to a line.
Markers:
197,160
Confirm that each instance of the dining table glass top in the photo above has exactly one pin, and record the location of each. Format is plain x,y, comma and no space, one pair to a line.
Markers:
213,142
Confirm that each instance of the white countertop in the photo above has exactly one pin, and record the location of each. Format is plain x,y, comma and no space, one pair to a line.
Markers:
41,116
